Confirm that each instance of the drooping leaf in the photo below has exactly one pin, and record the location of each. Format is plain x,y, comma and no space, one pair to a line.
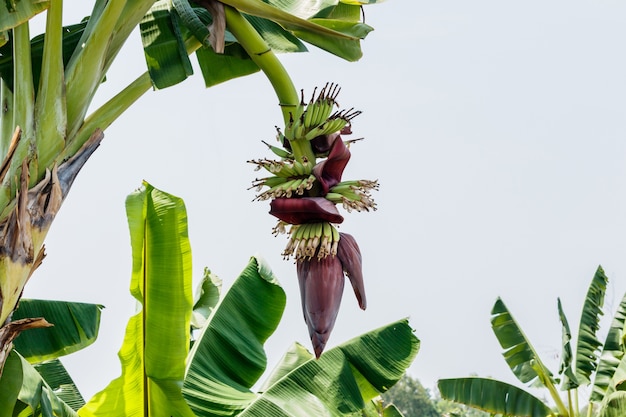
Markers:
346,48
344,379
612,355
228,357
164,47
493,396
340,38
157,338
588,345
218,68
518,352
207,297
75,326
27,393
304,9
57,378
569,378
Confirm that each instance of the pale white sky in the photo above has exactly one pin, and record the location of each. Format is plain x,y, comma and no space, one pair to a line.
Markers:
496,130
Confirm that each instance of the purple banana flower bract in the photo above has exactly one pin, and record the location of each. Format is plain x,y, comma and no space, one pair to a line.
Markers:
349,254
321,287
329,171
305,210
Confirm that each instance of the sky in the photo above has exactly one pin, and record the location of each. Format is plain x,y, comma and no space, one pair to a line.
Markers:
496,131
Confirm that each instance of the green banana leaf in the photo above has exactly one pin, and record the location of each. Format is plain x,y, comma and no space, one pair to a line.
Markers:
344,378
342,381
75,327
493,397
228,356
16,12
207,297
331,26
163,46
567,356
57,378
518,352
614,406
157,338
588,345
23,392
612,355
296,356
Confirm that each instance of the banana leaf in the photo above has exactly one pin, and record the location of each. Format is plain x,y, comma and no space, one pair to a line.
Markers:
296,356
493,397
614,406
612,355
16,12
157,338
207,297
567,356
75,327
518,352
57,378
342,381
330,26
588,345
163,46
228,356
24,392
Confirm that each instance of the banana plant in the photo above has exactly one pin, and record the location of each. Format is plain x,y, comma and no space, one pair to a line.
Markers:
162,376
47,84
592,360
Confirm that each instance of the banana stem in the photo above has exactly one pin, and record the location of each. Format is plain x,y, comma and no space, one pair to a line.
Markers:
264,57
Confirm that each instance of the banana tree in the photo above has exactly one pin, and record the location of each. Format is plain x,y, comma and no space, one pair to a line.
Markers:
47,84
592,360
162,376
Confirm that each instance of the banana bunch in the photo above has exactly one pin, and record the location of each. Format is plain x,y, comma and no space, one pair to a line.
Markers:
312,239
283,186
354,195
305,187
285,168
319,117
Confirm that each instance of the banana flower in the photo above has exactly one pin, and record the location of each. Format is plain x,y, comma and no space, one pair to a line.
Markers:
304,194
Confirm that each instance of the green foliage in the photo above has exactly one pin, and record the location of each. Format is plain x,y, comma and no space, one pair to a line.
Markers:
576,369
75,326
227,358
411,398
24,391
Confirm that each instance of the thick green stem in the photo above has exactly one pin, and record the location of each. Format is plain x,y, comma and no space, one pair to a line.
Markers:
264,57
107,113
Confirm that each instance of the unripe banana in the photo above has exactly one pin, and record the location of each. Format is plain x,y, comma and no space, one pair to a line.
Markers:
334,197
287,170
280,152
308,115
316,119
274,181
327,230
